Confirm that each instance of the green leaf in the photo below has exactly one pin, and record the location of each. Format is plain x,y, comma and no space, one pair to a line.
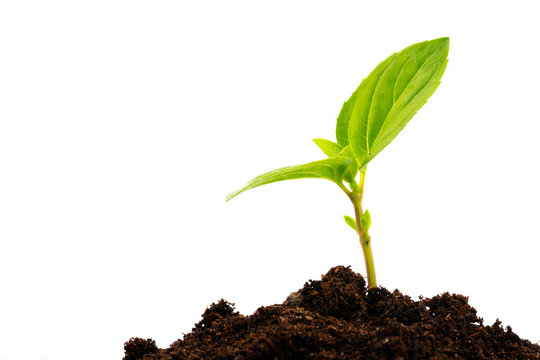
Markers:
334,169
328,147
392,93
351,222
342,127
365,220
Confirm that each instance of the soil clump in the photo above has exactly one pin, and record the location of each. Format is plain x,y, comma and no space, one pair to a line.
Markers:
337,317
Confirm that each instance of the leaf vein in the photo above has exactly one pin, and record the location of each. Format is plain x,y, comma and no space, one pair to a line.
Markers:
371,103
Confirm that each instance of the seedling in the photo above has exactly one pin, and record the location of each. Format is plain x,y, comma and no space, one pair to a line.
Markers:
372,117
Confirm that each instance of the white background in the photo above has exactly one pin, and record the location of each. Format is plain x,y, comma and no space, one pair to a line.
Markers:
123,124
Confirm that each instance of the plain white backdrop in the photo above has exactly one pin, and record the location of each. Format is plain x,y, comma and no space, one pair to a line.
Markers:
123,125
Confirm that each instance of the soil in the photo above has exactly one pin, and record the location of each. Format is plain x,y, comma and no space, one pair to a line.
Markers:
337,317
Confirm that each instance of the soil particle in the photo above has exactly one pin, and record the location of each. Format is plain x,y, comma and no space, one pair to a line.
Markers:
337,317
137,348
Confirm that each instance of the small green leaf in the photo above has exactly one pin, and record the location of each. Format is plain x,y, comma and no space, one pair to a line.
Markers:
351,222
342,127
328,147
334,169
350,173
365,220
392,93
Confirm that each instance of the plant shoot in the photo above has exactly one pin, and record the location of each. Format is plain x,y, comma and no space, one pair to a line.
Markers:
375,113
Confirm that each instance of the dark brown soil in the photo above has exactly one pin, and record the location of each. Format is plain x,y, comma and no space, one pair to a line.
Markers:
338,318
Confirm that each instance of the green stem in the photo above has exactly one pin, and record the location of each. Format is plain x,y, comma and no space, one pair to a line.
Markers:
365,240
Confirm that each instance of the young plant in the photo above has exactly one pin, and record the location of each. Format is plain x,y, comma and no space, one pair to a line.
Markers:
372,117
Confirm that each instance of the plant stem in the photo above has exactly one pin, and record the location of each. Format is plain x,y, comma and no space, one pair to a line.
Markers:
365,240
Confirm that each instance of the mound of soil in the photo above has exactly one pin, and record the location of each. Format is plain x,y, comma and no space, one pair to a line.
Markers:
339,318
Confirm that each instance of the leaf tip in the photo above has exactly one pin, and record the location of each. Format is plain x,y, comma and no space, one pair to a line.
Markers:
443,41
230,195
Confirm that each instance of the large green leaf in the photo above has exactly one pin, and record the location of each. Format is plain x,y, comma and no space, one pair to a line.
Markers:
342,127
336,169
392,93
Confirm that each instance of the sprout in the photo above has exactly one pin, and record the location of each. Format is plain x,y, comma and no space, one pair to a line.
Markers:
372,117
